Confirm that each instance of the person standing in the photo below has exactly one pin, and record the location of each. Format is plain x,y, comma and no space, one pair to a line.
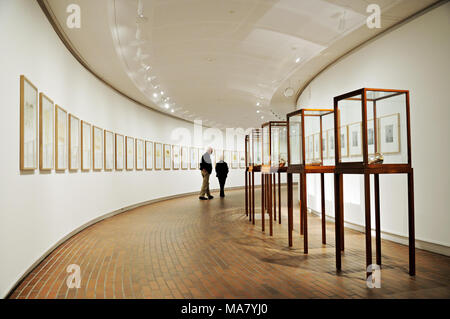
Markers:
206,169
222,173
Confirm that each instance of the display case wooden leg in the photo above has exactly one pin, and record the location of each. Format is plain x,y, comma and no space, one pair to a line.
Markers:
246,193
300,204
253,198
305,213
250,188
322,198
341,204
269,190
411,231
377,218
368,231
263,176
338,215
290,208
279,198
274,186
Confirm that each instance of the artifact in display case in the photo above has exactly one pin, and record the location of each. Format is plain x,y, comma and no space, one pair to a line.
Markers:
274,146
310,150
379,142
255,142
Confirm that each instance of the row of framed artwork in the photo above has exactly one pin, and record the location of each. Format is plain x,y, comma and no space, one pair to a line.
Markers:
388,141
63,137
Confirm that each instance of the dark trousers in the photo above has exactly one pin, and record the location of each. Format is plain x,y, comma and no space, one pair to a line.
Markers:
222,181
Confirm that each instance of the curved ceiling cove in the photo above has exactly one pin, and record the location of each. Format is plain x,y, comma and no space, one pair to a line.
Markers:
229,63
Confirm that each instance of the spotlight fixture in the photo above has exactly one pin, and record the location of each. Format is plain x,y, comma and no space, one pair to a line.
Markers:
297,60
257,111
166,105
162,92
155,95
172,110
258,103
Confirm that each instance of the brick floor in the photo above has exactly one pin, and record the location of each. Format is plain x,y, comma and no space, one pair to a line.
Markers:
186,248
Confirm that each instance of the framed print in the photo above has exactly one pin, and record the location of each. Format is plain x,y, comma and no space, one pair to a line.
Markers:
310,151
219,155
46,109
330,144
119,152
324,147
167,156
176,156
193,158
227,157
158,156
60,139
370,137
74,143
200,155
389,134
235,159
242,159
355,139
184,157
97,154
344,141
316,138
148,155
109,150
140,154
28,124
86,146
129,153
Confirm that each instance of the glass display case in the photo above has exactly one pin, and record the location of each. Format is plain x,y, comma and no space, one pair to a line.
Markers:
311,138
255,145
377,125
274,146
373,125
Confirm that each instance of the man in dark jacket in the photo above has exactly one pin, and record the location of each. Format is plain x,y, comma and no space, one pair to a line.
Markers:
222,173
206,169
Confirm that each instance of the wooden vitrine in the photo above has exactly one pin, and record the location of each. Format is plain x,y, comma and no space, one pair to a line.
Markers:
253,150
274,163
310,131
379,142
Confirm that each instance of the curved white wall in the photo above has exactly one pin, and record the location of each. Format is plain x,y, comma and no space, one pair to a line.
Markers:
37,210
415,56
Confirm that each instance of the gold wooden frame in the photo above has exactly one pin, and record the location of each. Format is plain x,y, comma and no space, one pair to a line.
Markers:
161,156
361,136
41,145
147,168
185,149
83,169
173,157
105,132
164,156
398,133
193,149
136,140
116,156
93,148
23,79
126,153
57,168
71,168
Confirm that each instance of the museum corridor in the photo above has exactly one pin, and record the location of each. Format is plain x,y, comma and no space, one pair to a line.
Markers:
186,248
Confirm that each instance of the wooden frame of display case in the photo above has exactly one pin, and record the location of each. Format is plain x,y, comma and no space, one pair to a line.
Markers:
253,168
367,169
247,174
269,184
304,169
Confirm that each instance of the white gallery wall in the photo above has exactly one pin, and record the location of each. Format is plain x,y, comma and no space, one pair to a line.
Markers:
415,56
37,210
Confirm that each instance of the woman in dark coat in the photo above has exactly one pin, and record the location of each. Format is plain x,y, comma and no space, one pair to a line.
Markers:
222,173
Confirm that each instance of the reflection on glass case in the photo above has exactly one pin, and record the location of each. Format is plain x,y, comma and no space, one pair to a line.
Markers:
373,124
247,151
311,137
255,145
274,145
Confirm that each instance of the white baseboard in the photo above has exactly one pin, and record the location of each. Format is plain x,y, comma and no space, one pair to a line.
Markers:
420,244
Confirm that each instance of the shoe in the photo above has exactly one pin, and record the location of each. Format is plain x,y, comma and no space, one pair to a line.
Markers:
202,198
210,197
222,195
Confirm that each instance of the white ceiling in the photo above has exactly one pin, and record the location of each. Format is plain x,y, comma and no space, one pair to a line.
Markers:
221,61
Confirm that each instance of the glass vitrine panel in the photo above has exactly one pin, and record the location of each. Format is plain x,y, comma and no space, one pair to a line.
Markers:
247,151
349,115
295,140
278,149
387,135
256,147
265,145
